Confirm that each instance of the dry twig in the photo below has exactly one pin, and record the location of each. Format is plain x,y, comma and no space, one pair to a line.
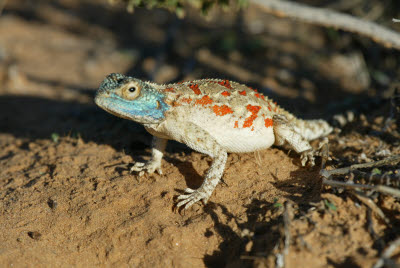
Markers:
329,18
378,188
388,179
369,203
380,243
387,253
287,217
326,174
343,171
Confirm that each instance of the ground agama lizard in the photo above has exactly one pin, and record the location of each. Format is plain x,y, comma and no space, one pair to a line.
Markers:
211,116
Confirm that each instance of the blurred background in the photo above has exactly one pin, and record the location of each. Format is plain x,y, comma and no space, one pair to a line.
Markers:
63,49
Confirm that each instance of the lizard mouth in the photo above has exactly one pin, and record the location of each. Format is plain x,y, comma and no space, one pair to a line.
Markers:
104,101
115,113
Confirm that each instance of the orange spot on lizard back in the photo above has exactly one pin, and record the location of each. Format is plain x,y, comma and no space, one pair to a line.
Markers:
222,110
248,122
225,83
253,109
170,89
260,96
204,101
195,88
236,124
225,93
242,92
268,122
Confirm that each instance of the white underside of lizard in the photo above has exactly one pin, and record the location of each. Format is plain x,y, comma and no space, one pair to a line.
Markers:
232,140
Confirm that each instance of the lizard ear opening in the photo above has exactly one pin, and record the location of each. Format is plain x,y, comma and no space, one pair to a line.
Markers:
131,91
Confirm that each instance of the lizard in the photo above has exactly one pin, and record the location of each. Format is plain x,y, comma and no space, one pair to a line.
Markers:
212,116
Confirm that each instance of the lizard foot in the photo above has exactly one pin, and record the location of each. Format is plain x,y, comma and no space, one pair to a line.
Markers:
148,167
307,156
192,196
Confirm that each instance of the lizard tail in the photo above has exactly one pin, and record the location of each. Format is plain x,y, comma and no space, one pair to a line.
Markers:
308,129
312,129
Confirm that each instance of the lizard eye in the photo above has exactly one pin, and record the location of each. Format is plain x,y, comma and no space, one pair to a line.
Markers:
131,91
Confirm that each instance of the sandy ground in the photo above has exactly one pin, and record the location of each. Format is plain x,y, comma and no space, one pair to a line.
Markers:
67,197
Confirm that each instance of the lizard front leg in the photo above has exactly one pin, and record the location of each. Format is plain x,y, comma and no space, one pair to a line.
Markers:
201,141
154,164
285,134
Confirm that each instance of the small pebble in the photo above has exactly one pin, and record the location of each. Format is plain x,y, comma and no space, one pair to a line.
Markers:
34,235
52,203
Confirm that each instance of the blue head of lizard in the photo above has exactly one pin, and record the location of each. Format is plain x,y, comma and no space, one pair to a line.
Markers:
131,98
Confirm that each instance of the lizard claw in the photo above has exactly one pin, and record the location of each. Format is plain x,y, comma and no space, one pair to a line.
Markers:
149,167
307,156
192,196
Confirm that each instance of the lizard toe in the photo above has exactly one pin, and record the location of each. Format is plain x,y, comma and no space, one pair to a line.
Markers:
192,197
187,202
149,167
159,170
307,156
189,190
138,166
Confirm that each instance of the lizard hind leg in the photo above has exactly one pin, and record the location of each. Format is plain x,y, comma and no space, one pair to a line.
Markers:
285,134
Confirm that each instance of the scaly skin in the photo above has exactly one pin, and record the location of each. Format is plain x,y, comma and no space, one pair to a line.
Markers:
211,116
